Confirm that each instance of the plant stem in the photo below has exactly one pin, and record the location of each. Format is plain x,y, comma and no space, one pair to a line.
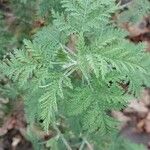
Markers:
82,145
89,145
85,142
62,138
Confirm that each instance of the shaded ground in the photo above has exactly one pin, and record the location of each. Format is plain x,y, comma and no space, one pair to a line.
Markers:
13,130
13,140
136,120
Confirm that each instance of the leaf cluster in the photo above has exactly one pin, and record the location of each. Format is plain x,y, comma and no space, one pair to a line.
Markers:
75,67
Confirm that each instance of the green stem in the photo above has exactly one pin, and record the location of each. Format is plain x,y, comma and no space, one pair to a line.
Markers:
82,145
62,138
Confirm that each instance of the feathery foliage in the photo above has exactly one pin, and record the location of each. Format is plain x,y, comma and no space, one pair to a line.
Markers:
6,39
134,11
120,142
35,9
75,67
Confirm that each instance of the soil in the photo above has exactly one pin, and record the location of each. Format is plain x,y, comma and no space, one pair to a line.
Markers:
7,142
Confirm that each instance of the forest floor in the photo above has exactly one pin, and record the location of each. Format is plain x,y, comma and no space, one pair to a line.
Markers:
13,131
135,120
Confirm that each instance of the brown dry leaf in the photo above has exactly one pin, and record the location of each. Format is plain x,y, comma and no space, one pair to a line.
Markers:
147,126
128,110
137,29
72,42
3,131
140,125
8,125
42,134
148,116
146,97
39,23
15,120
120,116
15,142
139,32
138,107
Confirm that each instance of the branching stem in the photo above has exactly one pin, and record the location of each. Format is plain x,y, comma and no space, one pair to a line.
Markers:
62,138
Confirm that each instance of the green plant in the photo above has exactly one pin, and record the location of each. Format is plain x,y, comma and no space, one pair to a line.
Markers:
44,8
19,20
35,9
72,73
6,39
134,11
